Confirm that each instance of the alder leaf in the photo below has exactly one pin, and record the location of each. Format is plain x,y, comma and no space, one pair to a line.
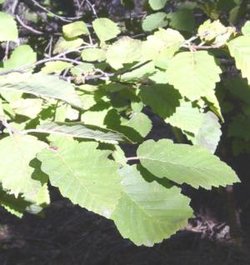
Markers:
163,99
56,67
157,4
240,49
125,50
75,29
8,27
147,212
80,130
83,174
188,73
105,29
182,163
16,154
165,43
40,85
155,21
93,54
23,55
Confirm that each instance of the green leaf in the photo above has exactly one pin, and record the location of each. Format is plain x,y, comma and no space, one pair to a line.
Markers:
55,67
139,122
80,130
105,29
16,153
83,174
155,21
22,56
138,73
182,20
93,54
8,28
187,72
157,4
125,50
29,107
163,99
64,45
165,43
147,213
240,49
246,29
75,29
40,85
209,133
12,204
186,117
215,33
182,163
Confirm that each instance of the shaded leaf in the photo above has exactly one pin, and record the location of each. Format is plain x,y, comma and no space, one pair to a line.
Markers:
155,21
80,130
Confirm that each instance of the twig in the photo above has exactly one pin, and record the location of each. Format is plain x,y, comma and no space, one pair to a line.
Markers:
62,18
28,27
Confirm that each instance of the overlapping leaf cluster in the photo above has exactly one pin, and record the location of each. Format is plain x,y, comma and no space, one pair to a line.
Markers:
64,119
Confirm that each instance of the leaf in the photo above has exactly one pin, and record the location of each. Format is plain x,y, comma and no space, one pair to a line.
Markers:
80,130
240,49
125,50
40,85
157,4
209,133
147,213
165,43
155,21
186,117
182,163
75,29
83,174
182,19
93,54
162,99
187,72
13,205
8,28
105,29
139,122
64,45
246,29
139,72
29,107
55,67
215,33
16,153
22,56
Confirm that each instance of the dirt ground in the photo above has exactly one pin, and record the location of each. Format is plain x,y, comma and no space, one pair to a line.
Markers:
69,235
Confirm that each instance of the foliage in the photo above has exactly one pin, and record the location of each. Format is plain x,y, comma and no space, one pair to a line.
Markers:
70,113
